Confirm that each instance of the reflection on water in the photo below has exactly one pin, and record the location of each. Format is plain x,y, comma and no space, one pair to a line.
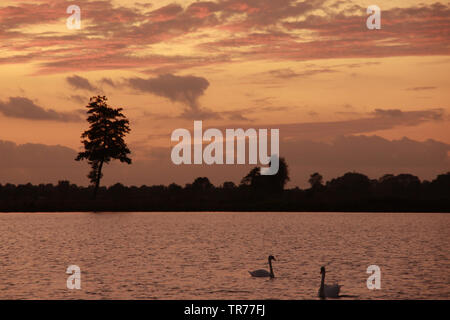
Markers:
207,255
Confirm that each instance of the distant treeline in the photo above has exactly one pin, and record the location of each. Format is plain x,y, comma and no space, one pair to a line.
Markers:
351,192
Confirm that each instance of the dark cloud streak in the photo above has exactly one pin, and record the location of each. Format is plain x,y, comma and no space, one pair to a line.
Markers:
24,108
183,89
78,82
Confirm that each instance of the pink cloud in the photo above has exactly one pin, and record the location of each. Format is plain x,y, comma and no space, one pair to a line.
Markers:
114,33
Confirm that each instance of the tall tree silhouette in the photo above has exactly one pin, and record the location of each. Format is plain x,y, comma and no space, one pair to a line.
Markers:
275,182
104,141
316,181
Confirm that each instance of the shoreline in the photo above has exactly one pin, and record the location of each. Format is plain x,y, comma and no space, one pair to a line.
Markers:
218,211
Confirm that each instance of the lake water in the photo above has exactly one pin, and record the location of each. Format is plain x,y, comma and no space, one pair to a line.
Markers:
207,255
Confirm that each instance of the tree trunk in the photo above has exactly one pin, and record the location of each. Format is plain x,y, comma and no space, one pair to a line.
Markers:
97,182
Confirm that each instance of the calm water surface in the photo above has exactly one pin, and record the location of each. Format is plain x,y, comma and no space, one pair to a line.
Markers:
207,255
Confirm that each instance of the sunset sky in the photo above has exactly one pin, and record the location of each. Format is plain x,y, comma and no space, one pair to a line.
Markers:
344,97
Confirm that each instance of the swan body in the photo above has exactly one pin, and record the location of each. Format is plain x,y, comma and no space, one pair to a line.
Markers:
331,291
260,273
326,290
264,273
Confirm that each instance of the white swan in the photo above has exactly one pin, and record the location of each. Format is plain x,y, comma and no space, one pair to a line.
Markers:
262,272
328,291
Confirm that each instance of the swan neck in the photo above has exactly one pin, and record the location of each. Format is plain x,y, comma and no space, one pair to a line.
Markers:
271,269
322,284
